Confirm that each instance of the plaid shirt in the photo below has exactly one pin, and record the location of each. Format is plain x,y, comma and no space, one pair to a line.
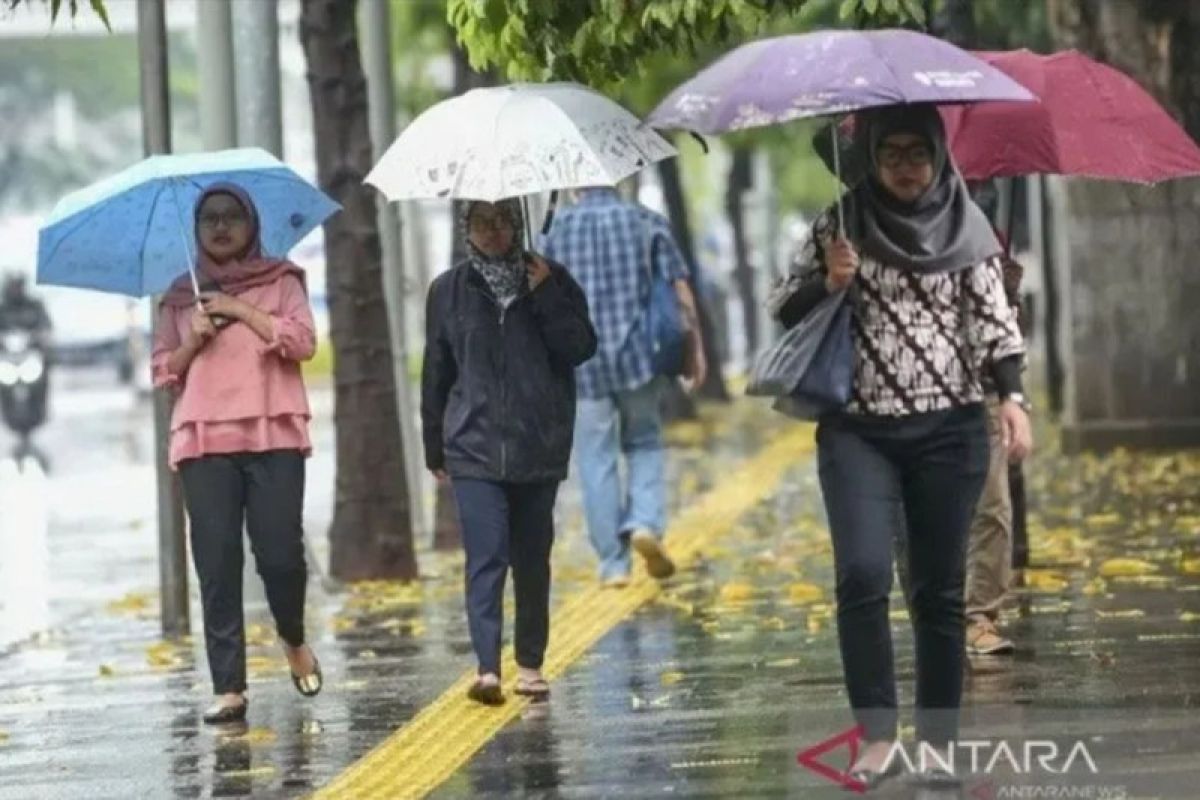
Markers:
602,240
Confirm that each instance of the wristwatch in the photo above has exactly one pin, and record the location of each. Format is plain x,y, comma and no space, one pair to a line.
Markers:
1019,399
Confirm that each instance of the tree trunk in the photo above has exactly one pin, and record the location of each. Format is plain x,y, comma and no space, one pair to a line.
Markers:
740,182
371,535
1132,338
714,387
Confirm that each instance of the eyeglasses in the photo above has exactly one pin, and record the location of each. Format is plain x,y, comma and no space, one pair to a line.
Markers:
498,223
915,155
231,219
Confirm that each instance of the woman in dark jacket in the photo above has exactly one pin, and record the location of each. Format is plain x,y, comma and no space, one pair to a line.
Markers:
504,333
911,447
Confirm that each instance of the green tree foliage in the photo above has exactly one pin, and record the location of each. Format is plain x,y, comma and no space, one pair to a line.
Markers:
73,7
602,42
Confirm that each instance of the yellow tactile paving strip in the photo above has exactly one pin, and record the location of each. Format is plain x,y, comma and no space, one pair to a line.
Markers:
417,758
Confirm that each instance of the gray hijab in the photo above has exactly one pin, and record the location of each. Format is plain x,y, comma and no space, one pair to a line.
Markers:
944,230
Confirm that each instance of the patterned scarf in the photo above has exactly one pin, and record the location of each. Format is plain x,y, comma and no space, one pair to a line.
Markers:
505,274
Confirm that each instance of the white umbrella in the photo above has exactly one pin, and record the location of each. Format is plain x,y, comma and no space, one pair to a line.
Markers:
514,140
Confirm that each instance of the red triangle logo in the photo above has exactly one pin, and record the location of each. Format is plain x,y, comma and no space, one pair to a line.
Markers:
810,759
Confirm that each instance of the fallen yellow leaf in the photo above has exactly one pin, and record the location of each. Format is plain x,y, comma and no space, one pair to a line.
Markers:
784,663
257,665
132,603
1188,523
260,736
164,655
106,671
258,634
264,771
3,737
1128,613
1189,616
1190,566
1149,581
671,678
736,592
814,625
1100,520
1095,586
805,593
1126,566
367,655
1044,580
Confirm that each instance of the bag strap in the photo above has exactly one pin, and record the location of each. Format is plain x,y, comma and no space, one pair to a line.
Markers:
964,318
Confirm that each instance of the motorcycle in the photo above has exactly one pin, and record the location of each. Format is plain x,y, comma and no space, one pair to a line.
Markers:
24,384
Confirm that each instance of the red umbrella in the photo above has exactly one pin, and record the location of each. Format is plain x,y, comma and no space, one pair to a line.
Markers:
1093,121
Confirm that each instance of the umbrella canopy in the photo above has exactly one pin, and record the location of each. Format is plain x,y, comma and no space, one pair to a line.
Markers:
777,80
134,232
513,140
1094,121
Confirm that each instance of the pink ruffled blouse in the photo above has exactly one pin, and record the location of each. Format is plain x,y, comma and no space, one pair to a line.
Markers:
240,394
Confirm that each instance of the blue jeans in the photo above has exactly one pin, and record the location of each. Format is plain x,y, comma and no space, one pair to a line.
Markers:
629,424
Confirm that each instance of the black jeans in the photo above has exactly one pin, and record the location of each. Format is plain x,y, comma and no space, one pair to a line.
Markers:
263,492
925,472
507,524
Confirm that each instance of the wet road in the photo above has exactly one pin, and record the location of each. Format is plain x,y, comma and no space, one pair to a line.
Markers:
711,690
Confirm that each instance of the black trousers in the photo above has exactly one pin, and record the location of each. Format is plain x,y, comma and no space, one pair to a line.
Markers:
264,493
925,472
503,525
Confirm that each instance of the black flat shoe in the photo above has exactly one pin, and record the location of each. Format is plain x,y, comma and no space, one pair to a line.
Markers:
489,694
938,778
222,715
310,685
871,779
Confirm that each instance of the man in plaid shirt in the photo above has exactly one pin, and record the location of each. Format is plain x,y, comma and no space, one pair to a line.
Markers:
609,245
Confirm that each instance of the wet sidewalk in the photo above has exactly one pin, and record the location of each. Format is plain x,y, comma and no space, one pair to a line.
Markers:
710,688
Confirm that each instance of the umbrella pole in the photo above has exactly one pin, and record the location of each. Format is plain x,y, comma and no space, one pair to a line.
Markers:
528,222
1012,215
837,177
187,246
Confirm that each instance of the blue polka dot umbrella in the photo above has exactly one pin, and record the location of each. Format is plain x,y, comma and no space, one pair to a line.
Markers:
134,232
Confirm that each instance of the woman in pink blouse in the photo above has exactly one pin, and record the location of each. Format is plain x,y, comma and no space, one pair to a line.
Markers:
239,434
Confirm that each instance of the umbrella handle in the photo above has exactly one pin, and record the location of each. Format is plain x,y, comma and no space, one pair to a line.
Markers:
837,176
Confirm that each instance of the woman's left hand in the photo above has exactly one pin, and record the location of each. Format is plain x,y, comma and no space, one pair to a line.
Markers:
1016,431
223,305
538,271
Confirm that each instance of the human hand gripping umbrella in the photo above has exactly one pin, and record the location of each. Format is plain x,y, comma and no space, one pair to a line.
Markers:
133,233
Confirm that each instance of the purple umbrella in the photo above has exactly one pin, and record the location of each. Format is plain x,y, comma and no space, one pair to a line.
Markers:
829,72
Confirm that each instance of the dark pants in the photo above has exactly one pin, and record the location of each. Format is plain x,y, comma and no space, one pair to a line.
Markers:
264,492
507,524
925,473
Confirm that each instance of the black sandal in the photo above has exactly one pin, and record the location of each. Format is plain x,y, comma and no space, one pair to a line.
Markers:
310,685
872,779
218,714
488,694
537,689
